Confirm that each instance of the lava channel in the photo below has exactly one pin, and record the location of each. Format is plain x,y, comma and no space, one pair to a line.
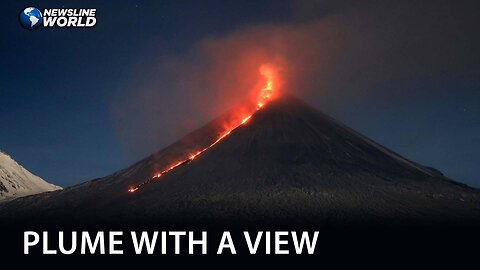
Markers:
265,95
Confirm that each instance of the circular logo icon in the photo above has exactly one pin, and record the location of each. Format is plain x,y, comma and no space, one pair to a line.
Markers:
31,18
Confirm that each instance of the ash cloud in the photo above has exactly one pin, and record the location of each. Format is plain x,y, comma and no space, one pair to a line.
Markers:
343,53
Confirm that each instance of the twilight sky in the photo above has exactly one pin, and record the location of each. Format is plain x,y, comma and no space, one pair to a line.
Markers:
76,104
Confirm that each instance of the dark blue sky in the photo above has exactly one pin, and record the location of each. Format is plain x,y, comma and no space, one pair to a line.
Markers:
420,95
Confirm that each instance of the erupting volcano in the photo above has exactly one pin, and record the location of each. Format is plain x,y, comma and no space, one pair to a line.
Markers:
265,95
271,160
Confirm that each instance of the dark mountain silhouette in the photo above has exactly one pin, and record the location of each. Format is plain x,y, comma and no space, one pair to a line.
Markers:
289,164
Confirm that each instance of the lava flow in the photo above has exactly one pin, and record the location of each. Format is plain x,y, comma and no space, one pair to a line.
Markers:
265,95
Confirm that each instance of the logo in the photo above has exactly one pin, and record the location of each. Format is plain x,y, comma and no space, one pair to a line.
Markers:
31,18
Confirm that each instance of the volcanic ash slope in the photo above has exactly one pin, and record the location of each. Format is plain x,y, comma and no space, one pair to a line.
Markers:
289,163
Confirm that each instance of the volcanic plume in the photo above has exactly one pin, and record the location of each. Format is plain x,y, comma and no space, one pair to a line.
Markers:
289,163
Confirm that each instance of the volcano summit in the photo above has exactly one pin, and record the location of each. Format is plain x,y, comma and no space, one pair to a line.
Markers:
289,163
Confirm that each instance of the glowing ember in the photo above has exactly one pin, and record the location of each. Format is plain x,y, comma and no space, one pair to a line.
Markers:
132,189
265,95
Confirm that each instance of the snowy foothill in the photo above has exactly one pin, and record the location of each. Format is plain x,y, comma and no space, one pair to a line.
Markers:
16,181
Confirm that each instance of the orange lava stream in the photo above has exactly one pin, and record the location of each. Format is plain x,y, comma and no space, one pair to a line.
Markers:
264,96
190,157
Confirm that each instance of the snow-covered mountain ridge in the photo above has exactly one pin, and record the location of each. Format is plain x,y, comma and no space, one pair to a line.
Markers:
16,181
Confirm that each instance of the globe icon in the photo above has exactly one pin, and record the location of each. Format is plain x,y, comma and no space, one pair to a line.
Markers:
31,18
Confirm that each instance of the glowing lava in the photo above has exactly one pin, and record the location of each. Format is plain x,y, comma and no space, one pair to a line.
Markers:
267,91
265,95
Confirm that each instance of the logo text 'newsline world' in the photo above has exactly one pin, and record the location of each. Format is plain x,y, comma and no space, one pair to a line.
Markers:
69,17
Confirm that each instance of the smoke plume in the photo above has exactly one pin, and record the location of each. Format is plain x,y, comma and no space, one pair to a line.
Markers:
338,54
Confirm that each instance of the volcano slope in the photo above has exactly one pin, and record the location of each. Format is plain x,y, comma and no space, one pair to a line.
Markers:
289,164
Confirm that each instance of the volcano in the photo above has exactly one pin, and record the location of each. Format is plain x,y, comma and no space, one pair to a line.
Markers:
290,163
